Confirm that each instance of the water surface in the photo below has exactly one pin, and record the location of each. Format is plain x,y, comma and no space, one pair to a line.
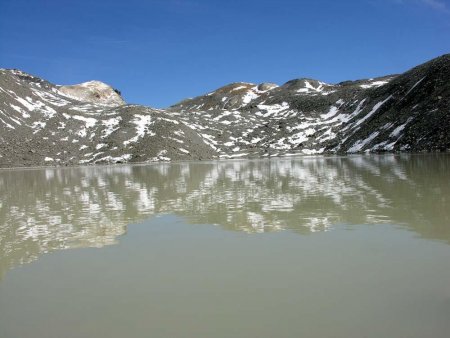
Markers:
308,246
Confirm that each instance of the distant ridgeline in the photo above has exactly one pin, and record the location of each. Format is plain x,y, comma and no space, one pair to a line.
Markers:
46,124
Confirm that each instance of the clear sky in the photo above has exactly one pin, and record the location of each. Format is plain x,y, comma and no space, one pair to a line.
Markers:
158,52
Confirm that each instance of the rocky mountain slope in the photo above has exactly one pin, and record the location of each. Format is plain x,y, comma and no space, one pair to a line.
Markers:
46,124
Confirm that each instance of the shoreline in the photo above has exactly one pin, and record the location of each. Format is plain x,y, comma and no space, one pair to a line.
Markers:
213,160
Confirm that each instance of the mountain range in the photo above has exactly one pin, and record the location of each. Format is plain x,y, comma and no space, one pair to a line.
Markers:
46,124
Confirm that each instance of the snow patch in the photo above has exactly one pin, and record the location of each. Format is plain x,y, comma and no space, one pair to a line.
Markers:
374,84
142,123
358,145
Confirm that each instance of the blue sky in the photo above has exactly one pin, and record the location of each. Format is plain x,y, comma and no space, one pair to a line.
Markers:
158,52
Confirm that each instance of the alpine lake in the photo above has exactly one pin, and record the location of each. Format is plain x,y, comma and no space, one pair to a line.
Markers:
351,246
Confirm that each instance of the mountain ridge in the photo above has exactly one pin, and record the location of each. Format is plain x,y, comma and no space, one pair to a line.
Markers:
46,124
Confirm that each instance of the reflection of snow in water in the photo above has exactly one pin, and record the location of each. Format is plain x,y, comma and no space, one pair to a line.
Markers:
90,207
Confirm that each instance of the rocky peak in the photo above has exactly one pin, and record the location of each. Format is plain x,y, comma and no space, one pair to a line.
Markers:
232,96
93,92
308,86
265,86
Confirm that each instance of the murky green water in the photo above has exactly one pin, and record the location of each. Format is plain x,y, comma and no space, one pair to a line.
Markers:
296,247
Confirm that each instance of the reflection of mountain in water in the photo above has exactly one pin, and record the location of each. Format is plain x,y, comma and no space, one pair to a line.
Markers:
46,209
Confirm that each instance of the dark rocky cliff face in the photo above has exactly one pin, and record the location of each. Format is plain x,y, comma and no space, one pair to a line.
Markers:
46,124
